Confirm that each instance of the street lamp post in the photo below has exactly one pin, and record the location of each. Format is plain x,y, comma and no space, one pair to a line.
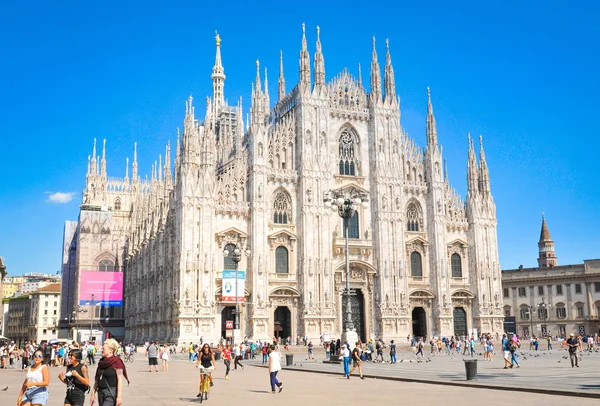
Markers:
92,312
236,256
546,312
346,204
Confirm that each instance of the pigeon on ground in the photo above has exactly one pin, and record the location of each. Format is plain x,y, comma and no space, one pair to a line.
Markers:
402,360
565,357
5,389
410,360
559,361
524,357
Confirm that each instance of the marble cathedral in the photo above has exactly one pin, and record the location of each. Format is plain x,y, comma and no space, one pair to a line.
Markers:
422,260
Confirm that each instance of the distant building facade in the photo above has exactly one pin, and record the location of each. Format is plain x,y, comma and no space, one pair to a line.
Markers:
553,299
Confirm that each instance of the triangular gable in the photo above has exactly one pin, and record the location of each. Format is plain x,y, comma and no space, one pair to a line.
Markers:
284,236
233,235
352,189
418,240
459,242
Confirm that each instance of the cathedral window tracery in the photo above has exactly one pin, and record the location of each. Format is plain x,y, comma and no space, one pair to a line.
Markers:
353,230
106,265
282,260
414,220
117,204
456,263
282,208
228,262
349,161
416,266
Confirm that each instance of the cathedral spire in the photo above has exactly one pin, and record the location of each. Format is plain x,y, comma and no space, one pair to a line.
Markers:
258,85
94,162
126,169
218,76
547,257
472,170
134,166
484,176
431,126
375,77
359,76
389,81
167,169
281,83
103,162
319,62
304,61
266,83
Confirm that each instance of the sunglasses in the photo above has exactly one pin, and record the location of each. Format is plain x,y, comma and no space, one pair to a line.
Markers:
38,356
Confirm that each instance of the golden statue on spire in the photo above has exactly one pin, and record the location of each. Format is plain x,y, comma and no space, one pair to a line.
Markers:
218,38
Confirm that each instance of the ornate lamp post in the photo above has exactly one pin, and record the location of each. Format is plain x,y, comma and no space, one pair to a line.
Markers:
346,204
546,311
236,256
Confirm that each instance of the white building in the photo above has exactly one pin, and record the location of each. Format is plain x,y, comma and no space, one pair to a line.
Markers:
45,313
423,261
552,299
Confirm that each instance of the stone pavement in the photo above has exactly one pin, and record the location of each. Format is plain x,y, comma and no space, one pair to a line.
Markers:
251,387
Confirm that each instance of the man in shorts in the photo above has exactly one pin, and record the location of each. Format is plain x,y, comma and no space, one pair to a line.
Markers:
356,361
152,354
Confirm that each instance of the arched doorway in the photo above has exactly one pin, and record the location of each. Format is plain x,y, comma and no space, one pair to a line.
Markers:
228,313
460,322
419,322
357,305
282,322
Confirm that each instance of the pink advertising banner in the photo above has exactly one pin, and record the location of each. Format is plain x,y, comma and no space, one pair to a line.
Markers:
104,288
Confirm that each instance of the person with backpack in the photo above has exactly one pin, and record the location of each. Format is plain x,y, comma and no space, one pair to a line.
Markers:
392,352
91,351
265,355
420,348
76,378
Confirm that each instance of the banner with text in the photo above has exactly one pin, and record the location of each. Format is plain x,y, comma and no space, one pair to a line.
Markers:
104,288
229,291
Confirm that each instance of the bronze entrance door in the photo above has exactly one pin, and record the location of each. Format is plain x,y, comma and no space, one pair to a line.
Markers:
228,313
283,322
419,322
460,322
357,305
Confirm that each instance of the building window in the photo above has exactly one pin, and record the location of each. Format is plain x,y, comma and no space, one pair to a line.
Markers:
348,154
55,303
598,310
55,312
542,313
456,266
281,260
46,303
282,208
540,290
353,231
505,292
561,313
597,287
416,269
524,313
228,262
117,204
507,311
522,292
559,289
106,265
578,288
413,217
44,331
579,311
53,332
45,312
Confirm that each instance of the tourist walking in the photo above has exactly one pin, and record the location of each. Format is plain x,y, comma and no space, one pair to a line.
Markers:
573,344
274,368
513,351
227,360
392,352
165,357
76,378
356,361
108,381
506,350
34,390
420,348
238,357
152,355
346,357
310,350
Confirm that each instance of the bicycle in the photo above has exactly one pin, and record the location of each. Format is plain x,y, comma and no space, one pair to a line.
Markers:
205,374
128,357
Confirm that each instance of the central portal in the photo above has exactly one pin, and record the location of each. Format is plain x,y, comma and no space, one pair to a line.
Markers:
228,314
419,322
357,305
283,323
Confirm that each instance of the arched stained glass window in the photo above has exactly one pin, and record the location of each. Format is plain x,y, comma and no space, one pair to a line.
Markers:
416,268
456,263
348,154
413,217
353,229
282,208
281,260
106,265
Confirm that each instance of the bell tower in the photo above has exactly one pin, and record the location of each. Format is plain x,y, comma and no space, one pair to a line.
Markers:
547,258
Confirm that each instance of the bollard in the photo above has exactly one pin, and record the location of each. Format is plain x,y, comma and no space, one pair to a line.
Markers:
471,369
289,360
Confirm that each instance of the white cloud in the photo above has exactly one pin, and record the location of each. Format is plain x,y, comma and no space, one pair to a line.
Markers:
60,197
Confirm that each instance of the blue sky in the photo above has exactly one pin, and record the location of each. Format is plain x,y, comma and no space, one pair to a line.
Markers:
522,74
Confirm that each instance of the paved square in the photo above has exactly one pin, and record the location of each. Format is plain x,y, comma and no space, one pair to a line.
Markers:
250,387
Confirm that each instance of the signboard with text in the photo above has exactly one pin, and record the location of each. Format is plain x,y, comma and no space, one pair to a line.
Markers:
104,288
229,286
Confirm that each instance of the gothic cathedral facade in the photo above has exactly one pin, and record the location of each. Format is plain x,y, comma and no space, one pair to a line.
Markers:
422,260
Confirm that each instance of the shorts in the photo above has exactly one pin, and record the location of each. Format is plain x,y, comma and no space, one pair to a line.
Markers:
356,363
203,369
506,354
75,398
37,396
152,361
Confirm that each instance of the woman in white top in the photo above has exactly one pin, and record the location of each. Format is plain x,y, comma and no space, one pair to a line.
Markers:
274,367
346,355
34,391
164,356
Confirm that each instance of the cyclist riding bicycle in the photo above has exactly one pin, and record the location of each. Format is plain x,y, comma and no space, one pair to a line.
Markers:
207,360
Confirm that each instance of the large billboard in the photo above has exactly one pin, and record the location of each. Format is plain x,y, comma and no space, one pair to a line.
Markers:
104,288
228,289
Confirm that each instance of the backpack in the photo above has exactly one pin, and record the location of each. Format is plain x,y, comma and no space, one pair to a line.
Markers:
90,350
